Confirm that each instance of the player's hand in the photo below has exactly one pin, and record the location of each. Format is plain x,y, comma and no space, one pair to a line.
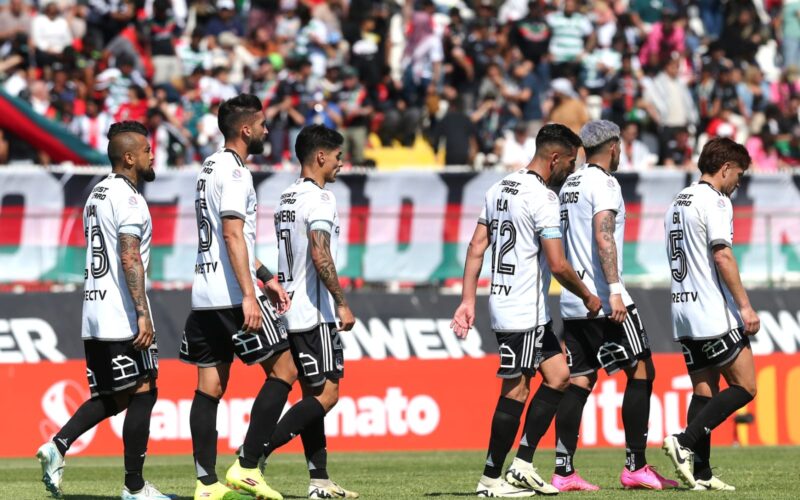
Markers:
751,322
144,338
252,314
593,304
346,318
463,319
618,310
278,296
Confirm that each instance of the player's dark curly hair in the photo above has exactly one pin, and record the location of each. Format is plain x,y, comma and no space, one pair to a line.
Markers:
556,134
233,113
313,138
719,150
117,143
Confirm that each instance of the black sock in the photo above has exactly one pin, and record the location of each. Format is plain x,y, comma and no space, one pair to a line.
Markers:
505,424
541,411
264,417
299,416
90,413
568,422
716,411
203,424
702,448
315,448
635,416
135,433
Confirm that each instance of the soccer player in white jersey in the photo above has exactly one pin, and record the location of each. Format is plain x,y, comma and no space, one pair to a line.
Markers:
307,227
118,334
593,223
230,315
520,220
711,314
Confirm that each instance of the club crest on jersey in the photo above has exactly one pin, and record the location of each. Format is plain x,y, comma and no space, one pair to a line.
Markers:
325,197
133,201
237,174
721,203
610,183
552,196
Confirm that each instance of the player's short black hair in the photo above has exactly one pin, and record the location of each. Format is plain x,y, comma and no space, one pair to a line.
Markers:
719,150
118,142
234,112
313,138
556,134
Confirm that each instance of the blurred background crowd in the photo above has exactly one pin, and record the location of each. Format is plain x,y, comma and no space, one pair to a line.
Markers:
471,80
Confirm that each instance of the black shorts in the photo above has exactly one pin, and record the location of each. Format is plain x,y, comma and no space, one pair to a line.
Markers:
600,343
702,354
114,366
212,336
521,353
318,354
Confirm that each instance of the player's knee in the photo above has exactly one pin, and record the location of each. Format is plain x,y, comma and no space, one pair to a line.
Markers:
329,396
516,389
750,387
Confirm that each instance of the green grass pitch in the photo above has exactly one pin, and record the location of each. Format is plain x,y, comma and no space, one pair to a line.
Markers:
758,473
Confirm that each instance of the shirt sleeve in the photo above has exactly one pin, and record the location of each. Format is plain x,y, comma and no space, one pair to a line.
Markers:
719,223
130,215
322,215
606,195
482,216
547,217
234,191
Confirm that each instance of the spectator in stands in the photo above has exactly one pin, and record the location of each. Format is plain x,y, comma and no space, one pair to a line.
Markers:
624,90
107,19
790,32
50,35
726,99
115,82
356,109
677,150
634,154
323,112
565,105
531,35
93,126
518,147
216,86
164,32
763,152
743,32
666,37
193,55
15,20
422,60
529,96
457,131
572,38
225,20
209,136
672,101
400,121
135,108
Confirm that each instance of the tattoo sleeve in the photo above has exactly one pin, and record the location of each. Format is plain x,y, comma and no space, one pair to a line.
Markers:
134,272
326,267
606,246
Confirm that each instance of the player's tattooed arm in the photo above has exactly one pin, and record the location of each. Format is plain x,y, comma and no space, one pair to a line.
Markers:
326,267
134,272
604,225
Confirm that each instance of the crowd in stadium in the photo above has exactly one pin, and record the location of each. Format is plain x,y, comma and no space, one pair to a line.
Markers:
475,78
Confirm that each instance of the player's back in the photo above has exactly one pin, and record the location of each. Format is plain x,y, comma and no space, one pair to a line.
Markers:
586,193
114,206
224,189
305,206
699,218
517,210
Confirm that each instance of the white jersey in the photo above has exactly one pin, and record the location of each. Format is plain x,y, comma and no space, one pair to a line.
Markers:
699,219
114,207
518,211
584,194
305,206
224,189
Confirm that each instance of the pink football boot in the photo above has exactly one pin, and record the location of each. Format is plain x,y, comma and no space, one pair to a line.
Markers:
573,482
645,478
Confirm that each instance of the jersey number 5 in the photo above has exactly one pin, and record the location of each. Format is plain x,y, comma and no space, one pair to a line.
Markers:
203,223
677,255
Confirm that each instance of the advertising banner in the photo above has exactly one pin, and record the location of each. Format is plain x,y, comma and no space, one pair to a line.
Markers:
401,226
409,383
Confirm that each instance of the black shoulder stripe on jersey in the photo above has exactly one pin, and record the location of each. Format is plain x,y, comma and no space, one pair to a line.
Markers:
312,181
127,181
236,156
538,177
599,168
712,187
